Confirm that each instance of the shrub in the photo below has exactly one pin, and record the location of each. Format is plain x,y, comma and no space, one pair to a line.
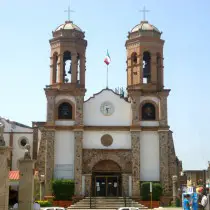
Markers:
44,203
178,202
156,191
63,189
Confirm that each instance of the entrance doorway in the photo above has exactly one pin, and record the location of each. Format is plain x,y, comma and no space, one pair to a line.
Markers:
107,185
106,179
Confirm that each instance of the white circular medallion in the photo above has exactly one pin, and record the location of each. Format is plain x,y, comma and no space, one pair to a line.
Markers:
107,108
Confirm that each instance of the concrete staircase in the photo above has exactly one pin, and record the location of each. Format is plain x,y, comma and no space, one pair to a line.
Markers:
106,203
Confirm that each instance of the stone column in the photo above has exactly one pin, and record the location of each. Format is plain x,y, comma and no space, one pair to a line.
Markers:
49,160
26,183
74,68
140,69
125,185
135,145
154,68
164,164
82,70
174,180
78,137
60,68
4,175
88,184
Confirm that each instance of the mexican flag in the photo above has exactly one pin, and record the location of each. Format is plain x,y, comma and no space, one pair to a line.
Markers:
107,59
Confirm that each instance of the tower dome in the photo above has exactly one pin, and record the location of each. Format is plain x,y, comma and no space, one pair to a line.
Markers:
68,25
144,28
68,30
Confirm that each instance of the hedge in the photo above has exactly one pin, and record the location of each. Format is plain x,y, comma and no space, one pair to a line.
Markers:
156,191
63,190
44,203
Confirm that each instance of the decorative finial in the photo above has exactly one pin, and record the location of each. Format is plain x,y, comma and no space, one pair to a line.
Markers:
69,11
144,10
27,155
2,142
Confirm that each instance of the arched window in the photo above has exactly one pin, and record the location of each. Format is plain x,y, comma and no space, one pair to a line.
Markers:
65,111
67,66
55,67
146,67
148,112
134,59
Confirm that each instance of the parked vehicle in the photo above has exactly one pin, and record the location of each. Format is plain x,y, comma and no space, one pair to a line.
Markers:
52,208
128,208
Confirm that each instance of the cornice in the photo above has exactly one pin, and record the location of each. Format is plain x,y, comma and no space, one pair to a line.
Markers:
108,128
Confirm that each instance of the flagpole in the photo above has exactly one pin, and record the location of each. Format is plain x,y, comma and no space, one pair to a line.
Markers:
107,76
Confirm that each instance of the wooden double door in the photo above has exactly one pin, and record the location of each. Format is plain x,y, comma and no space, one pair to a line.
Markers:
106,185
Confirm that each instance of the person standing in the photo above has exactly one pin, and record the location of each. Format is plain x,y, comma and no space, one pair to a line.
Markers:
186,202
36,206
204,201
15,205
194,201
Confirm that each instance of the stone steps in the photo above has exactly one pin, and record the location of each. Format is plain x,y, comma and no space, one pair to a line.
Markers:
106,203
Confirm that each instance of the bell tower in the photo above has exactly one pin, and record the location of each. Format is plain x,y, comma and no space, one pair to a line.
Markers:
145,58
67,72
65,98
145,72
145,86
68,56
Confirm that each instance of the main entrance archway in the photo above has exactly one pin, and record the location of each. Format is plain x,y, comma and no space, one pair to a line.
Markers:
106,179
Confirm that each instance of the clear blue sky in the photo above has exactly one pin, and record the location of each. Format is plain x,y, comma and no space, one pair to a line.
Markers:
26,27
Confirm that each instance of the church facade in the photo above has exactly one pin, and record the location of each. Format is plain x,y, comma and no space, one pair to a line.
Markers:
109,143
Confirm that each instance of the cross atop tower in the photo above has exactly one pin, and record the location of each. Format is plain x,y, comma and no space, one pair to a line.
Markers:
69,11
144,10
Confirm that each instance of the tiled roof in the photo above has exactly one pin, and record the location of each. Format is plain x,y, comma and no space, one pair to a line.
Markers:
15,175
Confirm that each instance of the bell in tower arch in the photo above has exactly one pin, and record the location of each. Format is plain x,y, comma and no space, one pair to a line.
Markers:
146,66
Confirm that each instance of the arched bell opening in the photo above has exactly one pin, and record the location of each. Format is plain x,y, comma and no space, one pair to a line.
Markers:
146,67
67,67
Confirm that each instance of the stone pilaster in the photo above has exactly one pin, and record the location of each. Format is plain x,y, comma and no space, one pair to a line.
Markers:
163,108
173,165
82,70
135,145
79,110
88,184
50,109
164,161
4,177
135,110
125,184
78,137
41,153
49,136
35,142
174,179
